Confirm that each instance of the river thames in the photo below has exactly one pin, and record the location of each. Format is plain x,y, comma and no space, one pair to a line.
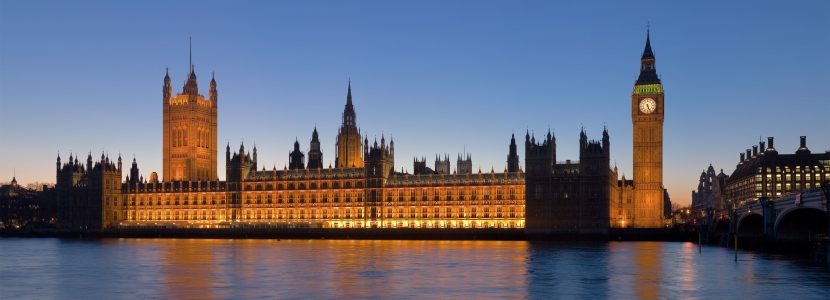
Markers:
351,269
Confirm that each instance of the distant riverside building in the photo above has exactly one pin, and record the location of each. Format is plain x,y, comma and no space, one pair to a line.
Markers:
710,190
23,207
764,173
363,188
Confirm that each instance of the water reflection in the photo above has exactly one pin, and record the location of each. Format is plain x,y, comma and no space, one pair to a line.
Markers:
569,270
347,269
187,269
647,258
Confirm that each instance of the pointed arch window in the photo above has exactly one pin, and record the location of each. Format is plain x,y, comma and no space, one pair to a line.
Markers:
175,133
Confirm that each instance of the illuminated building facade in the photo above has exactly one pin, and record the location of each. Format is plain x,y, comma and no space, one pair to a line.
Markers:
363,189
189,131
370,194
647,116
764,173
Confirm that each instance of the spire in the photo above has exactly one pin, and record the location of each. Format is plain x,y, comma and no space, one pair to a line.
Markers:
647,53
191,87
648,69
191,54
349,96
349,116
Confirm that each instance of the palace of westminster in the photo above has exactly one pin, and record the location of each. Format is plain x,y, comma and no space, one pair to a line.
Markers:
362,189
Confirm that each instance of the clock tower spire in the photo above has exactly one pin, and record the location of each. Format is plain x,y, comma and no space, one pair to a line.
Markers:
647,117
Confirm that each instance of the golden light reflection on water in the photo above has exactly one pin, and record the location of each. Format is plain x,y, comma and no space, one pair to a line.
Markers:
187,272
346,268
638,270
688,264
647,258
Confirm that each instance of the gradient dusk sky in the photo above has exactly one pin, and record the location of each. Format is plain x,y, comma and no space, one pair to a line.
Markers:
438,76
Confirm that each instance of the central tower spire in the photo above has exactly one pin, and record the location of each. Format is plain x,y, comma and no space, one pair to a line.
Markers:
191,54
349,97
348,138
191,87
349,115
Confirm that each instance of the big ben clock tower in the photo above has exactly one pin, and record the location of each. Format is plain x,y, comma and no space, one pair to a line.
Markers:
647,108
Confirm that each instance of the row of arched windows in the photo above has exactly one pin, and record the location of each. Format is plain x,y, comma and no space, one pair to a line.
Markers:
180,137
203,138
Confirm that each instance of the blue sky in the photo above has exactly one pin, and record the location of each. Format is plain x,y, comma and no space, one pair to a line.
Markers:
440,77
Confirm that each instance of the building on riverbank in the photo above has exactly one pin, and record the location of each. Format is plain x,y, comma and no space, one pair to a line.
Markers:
27,206
764,173
710,189
363,188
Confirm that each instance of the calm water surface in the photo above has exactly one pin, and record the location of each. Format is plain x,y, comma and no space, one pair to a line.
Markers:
348,269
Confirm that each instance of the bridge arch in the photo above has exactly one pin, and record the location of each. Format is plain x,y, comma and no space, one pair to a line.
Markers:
721,225
750,225
799,223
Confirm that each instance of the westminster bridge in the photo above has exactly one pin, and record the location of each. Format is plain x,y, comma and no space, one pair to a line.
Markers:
801,216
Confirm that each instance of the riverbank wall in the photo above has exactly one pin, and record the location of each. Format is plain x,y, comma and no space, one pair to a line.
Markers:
799,249
502,234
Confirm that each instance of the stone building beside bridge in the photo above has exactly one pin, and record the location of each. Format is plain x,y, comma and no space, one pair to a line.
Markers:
762,172
709,191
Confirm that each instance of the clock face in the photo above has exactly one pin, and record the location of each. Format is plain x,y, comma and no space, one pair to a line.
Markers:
647,105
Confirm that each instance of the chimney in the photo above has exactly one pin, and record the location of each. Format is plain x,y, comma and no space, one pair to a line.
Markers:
803,142
755,150
742,158
761,147
748,153
771,148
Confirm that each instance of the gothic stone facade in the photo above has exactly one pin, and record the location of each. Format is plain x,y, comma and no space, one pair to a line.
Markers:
363,189
568,196
710,188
